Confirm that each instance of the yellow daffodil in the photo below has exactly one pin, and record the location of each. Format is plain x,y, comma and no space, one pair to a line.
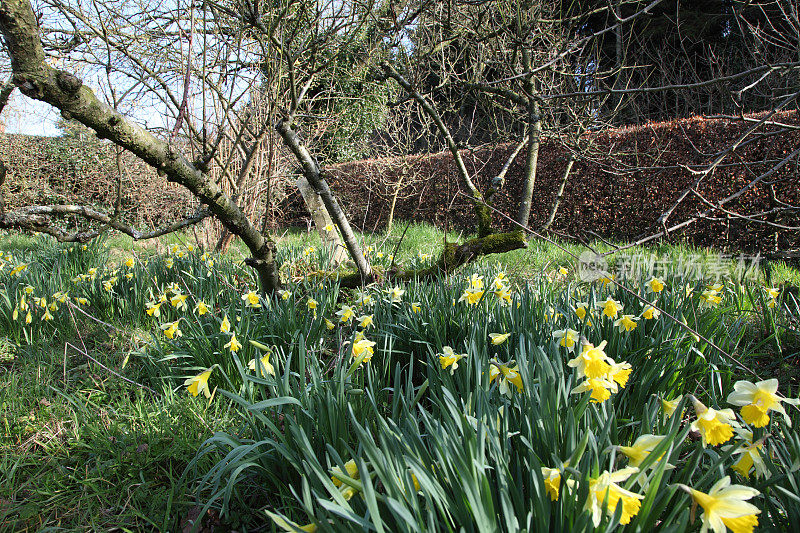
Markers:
655,284
619,373
715,426
171,330
225,326
179,301
757,400
15,314
608,279
312,304
285,295
668,406
726,507
396,294
328,324
423,256
233,345
750,455
169,262
626,323
365,321
610,307
552,481
265,364
580,309
476,282
199,383
592,361
641,448
201,308
346,313
710,298
328,227
364,298
415,307
568,338
47,316
28,317
601,389
363,347
772,292
605,494
351,470
505,376
251,300
499,338
28,289
650,313
471,296
450,359
504,297
129,262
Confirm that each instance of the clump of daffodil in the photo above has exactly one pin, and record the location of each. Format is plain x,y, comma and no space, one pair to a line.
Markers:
252,300
715,426
641,448
605,494
567,338
757,400
610,307
346,313
726,507
171,330
449,358
199,383
626,323
499,338
505,374
750,455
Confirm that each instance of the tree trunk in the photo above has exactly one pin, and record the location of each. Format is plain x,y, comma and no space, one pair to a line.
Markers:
322,220
36,79
397,187
312,173
531,160
560,194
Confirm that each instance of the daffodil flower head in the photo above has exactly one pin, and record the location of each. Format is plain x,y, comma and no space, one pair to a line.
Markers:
626,323
415,307
346,313
252,300
650,313
619,373
499,338
725,507
601,389
171,329
312,304
225,326
328,324
669,406
476,282
233,345
552,481
592,362
505,375
351,470
396,294
610,307
641,448
605,494
580,309
199,383
365,321
266,366
715,426
471,296
201,308
448,358
751,455
568,338
757,400
710,298
363,347
655,284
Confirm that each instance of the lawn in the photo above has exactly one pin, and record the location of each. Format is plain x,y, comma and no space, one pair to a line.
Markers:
148,387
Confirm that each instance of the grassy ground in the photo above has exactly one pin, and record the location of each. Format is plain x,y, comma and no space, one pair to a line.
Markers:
83,449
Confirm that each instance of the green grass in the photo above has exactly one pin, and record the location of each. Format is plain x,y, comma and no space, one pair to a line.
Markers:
82,449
